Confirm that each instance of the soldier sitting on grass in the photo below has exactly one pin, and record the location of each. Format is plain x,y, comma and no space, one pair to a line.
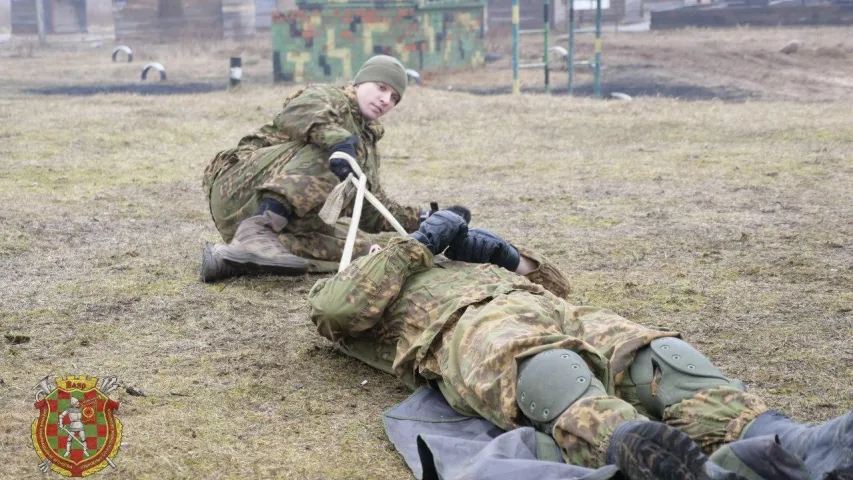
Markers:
265,194
489,328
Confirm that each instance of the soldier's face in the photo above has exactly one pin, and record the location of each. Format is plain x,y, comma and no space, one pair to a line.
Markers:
375,99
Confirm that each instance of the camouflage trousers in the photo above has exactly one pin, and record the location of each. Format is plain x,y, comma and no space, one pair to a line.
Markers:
478,374
236,179
323,246
232,182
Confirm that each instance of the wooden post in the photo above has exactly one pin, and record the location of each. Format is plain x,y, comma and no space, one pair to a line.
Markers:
236,72
40,21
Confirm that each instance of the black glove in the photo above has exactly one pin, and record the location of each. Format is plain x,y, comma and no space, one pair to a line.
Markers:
457,209
483,246
461,211
439,230
339,166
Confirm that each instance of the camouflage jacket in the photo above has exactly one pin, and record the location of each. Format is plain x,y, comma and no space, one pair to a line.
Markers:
392,309
289,159
321,114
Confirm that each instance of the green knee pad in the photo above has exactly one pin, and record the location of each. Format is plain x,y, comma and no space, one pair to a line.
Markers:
669,370
550,382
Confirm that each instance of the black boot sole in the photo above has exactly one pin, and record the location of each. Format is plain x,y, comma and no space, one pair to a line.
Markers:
209,271
291,265
655,451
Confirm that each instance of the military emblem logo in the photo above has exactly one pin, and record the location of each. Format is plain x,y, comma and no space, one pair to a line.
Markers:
76,433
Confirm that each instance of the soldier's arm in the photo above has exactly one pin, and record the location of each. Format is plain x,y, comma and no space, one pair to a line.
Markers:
354,300
315,116
539,269
373,222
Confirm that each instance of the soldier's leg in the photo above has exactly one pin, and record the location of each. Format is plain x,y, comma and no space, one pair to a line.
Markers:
618,339
716,411
510,362
220,164
324,246
676,383
670,380
663,377
706,417
826,449
245,217
229,182
255,249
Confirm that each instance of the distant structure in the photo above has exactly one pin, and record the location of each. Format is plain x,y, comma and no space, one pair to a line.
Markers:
134,19
770,13
328,40
499,13
174,19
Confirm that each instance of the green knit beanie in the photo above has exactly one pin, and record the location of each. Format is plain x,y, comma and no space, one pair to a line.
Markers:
385,69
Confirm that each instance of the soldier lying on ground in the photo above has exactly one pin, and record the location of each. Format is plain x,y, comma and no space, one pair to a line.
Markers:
265,194
490,329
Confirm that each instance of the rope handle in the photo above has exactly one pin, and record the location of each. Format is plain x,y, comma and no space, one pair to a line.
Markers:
360,195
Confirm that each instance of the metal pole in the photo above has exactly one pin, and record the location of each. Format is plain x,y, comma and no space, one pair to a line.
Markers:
571,28
516,88
40,21
235,73
597,87
547,28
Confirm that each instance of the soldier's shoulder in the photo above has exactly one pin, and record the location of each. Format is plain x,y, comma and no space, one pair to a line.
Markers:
318,92
328,91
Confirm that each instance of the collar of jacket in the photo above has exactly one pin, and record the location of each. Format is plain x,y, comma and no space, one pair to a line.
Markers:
372,127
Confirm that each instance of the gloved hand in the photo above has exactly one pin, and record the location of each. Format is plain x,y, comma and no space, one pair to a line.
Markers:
483,246
439,230
457,209
461,211
339,166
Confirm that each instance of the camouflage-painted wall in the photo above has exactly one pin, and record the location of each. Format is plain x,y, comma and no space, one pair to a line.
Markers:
328,42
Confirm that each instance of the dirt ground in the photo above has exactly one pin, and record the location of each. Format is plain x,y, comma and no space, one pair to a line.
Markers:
727,64
717,202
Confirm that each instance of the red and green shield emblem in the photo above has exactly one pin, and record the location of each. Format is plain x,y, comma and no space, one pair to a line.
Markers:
76,433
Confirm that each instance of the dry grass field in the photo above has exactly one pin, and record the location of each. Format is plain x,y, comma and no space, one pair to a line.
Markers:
728,218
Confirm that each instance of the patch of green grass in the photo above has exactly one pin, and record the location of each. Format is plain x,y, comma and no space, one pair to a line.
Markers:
12,243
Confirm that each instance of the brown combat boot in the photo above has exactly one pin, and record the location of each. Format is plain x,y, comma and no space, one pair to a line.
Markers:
213,266
257,248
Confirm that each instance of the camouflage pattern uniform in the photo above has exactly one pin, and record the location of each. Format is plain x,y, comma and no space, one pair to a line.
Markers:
463,327
288,160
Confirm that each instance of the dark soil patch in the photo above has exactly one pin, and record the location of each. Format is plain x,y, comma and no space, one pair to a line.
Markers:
138,88
633,82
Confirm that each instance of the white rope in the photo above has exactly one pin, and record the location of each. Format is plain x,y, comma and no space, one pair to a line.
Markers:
384,211
353,226
343,194
339,198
